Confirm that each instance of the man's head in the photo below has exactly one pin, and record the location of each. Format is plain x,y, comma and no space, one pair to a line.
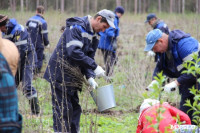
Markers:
40,10
151,18
3,21
156,41
103,20
119,11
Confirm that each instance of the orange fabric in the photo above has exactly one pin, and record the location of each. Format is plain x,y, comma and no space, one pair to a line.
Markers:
10,52
167,119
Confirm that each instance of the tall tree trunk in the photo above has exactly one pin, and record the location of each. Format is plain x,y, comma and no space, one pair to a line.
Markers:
118,2
95,5
171,6
82,7
77,7
13,5
183,6
57,2
197,6
88,6
45,5
159,6
144,6
22,5
139,7
135,7
62,4
126,4
179,6
27,3
37,3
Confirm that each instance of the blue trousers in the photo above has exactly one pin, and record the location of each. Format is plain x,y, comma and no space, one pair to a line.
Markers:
110,60
25,74
40,57
66,109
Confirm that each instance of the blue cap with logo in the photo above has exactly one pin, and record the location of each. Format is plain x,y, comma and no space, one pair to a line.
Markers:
150,16
152,38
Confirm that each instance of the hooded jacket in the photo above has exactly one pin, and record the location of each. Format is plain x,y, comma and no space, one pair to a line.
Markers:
77,46
19,35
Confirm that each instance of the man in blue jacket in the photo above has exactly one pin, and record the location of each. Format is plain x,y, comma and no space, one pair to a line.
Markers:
108,42
76,50
156,23
178,47
37,27
19,35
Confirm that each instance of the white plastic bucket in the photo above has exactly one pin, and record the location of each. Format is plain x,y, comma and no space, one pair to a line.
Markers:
104,97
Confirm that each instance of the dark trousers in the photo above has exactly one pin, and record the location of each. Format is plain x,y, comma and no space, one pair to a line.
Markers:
40,57
66,110
186,95
186,108
110,60
25,73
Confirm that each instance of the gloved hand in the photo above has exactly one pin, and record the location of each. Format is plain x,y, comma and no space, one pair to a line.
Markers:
99,72
149,88
48,46
92,83
169,87
151,53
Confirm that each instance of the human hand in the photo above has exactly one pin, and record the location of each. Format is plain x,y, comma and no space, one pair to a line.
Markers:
151,54
170,87
92,83
48,46
99,72
149,87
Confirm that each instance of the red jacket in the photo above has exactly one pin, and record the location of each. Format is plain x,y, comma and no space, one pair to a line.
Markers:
165,123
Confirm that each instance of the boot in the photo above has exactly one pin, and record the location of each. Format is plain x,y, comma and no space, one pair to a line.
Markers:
35,108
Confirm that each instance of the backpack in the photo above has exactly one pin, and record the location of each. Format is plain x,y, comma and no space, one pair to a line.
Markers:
10,119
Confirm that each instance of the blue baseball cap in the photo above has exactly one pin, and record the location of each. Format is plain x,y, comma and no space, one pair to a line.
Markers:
152,38
150,16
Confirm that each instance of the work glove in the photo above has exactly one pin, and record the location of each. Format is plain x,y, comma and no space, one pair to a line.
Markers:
99,72
170,87
151,54
92,83
48,46
149,88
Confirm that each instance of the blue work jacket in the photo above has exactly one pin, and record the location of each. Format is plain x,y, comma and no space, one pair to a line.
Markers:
162,26
19,35
37,27
181,47
108,36
77,46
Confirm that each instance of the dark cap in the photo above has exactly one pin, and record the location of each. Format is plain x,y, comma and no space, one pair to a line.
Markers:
119,9
150,16
3,20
